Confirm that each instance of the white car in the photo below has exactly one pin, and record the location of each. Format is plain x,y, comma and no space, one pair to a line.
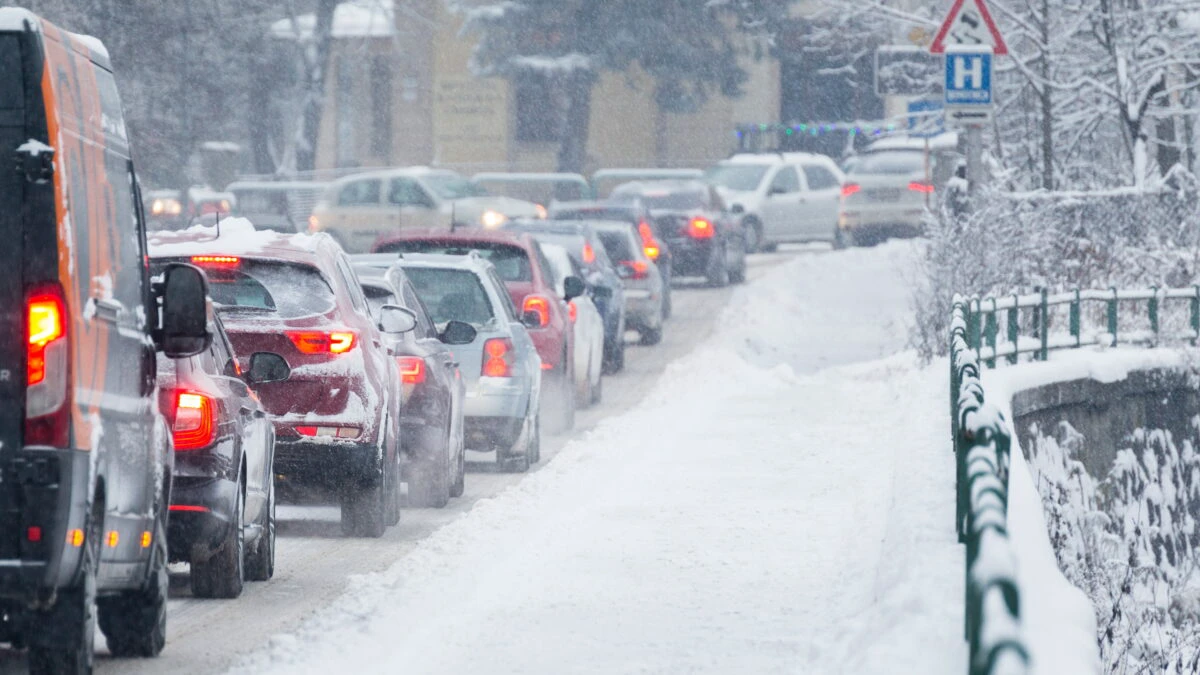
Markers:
586,322
785,197
359,208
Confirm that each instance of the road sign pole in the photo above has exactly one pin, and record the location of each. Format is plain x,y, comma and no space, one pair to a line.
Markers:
975,172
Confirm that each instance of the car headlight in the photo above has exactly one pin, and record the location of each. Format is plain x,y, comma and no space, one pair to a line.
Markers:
492,219
542,213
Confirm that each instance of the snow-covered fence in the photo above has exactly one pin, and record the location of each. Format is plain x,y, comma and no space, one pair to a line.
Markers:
982,441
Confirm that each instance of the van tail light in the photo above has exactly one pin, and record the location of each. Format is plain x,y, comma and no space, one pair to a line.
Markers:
47,369
540,306
635,269
497,357
700,228
589,253
572,311
412,369
195,423
921,186
322,342
850,189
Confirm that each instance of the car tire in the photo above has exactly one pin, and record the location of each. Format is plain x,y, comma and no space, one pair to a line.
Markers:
73,608
365,510
614,356
718,271
260,565
753,234
667,304
135,622
651,336
598,390
223,574
768,248
530,440
842,239
431,489
566,415
460,475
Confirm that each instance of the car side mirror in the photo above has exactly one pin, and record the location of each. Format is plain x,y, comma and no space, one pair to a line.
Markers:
184,330
602,292
394,320
267,367
531,319
737,208
573,287
458,333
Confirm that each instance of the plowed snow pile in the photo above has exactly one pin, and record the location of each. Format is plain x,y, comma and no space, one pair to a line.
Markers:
782,502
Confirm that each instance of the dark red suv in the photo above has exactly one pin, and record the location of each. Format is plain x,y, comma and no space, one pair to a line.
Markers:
336,416
526,273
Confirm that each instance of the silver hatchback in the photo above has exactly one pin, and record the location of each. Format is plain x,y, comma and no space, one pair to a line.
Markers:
501,366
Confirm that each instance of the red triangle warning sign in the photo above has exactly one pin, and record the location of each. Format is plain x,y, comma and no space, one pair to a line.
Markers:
970,26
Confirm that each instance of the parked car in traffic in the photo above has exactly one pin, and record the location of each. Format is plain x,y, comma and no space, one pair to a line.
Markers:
586,323
501,366
283,206
645,295
527,276
86,467
605,287
358,209
705,239
434,391
782,197
223,487
653,242
336,416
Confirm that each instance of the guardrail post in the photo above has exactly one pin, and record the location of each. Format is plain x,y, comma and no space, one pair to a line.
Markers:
1112,317
990,329
1044,325
973,340
1195,314
1075,329
1153,309
1014,329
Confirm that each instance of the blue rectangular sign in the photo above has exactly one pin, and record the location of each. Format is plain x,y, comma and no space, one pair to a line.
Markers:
968,79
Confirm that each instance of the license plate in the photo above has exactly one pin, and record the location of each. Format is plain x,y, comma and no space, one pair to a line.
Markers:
885,195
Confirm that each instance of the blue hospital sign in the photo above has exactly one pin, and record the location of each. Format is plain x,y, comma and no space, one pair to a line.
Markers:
968,79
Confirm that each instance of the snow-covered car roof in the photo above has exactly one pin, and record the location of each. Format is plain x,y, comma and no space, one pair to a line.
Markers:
405,171
945,141
237,237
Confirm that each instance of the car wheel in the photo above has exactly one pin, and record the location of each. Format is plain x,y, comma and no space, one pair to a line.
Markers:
431,487
768,248
753,230
614,356
566,415
364,511
651,336
62,638
535,441
517,461
135,622
222,574
460,474
718,271
842,238
261,563
667,304
598,390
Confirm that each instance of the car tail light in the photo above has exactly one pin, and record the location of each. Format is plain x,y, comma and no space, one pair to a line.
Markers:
47,369
33,533
921,186
216,260
540,306
589,253
637,269
314,224
195,424
700,228
652,251
328,432
850,189
412,369
322,342
572,311
649,243
497,357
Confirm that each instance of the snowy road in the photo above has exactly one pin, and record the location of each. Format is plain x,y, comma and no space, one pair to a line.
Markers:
768,507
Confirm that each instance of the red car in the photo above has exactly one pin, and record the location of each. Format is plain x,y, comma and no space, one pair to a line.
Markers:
336,416
530,282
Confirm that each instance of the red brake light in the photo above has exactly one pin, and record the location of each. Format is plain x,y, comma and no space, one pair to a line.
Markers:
412,369
639,269
646,233
850,188
921,186
572,310
195,424
497,357
216,260
652,251
322,342
700,228
589,253
46,324
539,305
47,369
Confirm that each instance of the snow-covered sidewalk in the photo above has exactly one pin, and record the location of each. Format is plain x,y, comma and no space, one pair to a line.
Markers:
769,508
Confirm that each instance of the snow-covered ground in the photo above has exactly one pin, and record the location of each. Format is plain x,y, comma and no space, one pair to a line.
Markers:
782,501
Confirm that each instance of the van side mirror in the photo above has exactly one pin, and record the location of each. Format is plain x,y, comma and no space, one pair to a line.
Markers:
267,367
184,331
573,287
394,320
458,333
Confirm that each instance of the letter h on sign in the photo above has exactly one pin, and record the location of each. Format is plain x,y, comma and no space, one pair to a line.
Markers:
968,79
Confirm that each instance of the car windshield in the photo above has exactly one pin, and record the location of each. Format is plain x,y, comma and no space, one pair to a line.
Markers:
512,262
680,200
739,177
451,295
618,245
289,290
449,186
890,163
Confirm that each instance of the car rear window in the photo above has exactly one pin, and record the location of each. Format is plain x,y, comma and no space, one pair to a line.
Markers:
618,245
893,163
451,295
288,289
684,200
512,262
